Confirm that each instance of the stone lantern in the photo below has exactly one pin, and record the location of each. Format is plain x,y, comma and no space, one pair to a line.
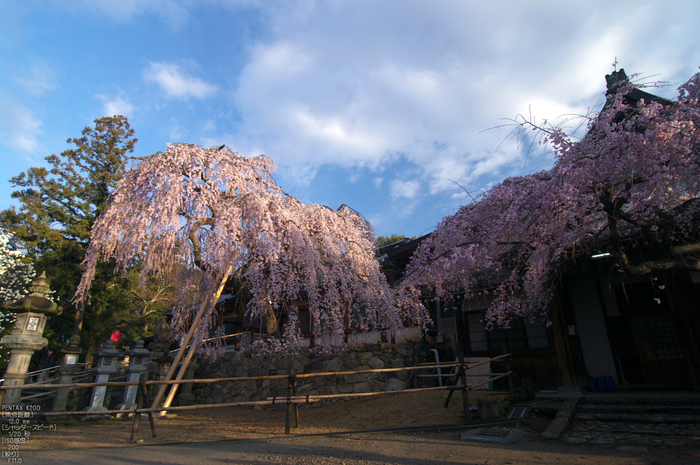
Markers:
138,363
186,396
69,368
107,365
32,313
160,355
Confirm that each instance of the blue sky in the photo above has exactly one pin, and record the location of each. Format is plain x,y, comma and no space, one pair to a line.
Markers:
380,105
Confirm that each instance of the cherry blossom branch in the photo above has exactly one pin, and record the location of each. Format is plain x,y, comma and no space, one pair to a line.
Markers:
638,164
206,207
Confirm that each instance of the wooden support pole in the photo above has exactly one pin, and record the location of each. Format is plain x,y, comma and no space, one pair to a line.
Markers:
207,305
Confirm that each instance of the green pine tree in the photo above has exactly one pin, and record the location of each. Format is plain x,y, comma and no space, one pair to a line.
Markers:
57,208
386,240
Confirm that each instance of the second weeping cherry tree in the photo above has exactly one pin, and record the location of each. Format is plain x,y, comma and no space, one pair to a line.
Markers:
630,187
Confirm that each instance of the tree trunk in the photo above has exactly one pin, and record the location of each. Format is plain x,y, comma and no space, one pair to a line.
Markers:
78,320
93,346
271,322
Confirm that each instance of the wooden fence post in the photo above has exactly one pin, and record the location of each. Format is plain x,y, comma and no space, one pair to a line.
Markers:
509,368
288,417
142,387
452,390
294,393
137,416
465,388
141,398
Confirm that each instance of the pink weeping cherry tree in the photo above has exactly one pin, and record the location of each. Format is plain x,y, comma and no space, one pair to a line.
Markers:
215,215
630,188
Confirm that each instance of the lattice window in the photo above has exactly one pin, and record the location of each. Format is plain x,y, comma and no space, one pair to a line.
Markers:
522,334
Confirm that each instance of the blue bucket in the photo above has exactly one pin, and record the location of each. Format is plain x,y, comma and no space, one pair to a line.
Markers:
600,381
609,384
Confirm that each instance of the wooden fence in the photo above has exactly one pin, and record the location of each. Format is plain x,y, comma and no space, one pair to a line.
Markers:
292,399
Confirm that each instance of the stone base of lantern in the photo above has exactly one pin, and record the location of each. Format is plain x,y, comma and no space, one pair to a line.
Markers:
98,395
17,370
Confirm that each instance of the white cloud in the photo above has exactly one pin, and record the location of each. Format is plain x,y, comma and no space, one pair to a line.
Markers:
366,84
177,82
36,77
118,105
338,133
404,189
19,126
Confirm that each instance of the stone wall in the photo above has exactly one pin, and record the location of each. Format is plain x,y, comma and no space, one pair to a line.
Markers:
241,364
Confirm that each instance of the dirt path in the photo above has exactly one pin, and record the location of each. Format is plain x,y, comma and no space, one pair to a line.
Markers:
370,449
396,411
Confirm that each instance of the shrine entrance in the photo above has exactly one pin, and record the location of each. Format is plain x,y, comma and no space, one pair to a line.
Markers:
647,339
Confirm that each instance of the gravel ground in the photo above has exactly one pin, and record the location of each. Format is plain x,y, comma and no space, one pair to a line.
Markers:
250,436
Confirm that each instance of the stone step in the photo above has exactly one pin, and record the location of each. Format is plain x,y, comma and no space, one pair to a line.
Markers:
640,409
653,411
662,429
656,418
654,402
636,422
642,434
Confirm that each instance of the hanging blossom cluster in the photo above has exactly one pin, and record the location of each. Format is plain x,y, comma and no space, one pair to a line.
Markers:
201,210
15,277
631,185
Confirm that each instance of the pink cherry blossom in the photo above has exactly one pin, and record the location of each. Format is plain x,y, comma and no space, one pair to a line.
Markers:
630,187
199,210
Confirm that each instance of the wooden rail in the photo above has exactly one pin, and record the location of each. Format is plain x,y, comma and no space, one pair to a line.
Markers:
292,399
259,378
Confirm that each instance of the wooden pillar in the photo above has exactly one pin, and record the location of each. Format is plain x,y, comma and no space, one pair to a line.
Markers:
681,288
567,375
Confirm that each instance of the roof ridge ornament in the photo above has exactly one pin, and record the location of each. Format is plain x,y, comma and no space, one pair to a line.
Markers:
615,80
